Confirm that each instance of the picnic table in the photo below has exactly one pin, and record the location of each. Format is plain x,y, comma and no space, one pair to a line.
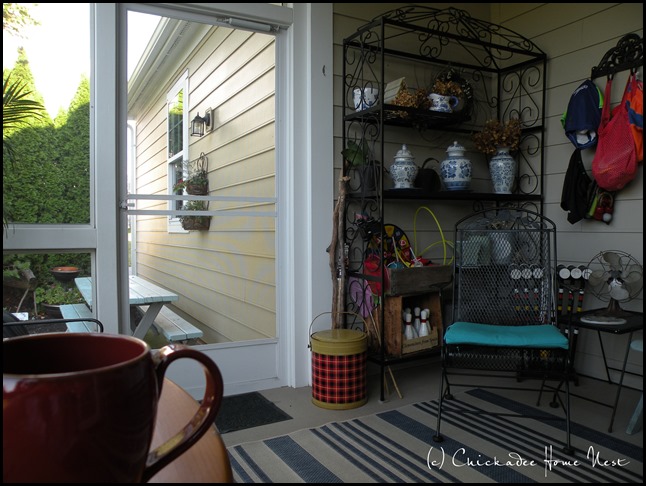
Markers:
142,293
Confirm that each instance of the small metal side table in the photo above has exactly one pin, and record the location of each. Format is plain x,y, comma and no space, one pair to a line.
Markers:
634,322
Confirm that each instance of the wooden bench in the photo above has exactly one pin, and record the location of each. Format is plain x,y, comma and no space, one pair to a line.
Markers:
173,327
75,311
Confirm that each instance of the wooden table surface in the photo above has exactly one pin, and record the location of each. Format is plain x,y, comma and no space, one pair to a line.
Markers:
207,461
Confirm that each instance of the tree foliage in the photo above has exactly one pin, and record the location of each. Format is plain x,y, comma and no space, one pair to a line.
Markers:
20,106
45,165
50,181
15,17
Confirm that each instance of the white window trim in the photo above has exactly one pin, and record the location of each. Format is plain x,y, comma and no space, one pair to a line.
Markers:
174,224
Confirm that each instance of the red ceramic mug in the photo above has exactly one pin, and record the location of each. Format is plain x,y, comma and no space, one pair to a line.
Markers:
81,407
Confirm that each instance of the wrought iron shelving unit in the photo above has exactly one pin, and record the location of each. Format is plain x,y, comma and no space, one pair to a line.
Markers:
506,74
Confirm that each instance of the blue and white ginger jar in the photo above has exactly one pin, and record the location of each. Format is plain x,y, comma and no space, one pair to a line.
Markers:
404,171
456,169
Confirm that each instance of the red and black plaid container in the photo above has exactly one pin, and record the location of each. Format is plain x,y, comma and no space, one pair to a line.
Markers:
339,369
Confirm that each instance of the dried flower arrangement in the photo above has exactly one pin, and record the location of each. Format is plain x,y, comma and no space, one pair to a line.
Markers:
497,134
415,99
446,87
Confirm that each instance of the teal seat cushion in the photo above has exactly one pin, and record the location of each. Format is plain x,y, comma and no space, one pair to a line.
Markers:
543,336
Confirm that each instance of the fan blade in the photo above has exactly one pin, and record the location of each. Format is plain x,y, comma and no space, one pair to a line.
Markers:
634,280
634,287
598,277
618,291
613,259
632,273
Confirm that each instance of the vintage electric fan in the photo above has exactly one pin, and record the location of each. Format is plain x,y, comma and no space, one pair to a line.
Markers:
614,277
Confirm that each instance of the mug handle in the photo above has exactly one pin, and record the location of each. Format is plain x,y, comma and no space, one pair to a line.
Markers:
203,418
455,101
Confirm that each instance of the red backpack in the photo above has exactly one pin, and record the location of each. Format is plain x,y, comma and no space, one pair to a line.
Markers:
615,161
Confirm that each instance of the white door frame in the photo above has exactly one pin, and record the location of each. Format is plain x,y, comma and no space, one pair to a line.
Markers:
304,87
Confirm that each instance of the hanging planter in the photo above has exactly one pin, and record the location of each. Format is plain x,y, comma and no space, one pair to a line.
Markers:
197,189
197,181
199,223
195,222
196,185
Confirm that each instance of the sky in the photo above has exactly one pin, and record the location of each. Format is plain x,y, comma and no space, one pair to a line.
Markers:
58,50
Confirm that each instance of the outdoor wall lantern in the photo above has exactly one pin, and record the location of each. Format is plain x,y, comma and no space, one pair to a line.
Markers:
199,123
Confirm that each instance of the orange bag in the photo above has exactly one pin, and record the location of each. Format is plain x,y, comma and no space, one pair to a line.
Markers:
635,107
615,161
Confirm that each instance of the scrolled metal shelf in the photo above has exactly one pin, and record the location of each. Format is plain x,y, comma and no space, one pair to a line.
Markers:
417,193
405,116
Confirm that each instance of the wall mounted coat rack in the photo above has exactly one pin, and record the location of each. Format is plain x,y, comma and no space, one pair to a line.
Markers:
628,54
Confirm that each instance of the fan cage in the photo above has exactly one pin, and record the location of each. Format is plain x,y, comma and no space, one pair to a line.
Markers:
624,262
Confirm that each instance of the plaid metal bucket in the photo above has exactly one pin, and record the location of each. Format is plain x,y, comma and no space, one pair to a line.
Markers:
339,368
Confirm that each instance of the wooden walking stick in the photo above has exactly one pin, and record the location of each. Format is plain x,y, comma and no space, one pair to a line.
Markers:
337,255
388,368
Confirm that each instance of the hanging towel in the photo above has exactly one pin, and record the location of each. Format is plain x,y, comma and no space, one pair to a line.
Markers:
576,185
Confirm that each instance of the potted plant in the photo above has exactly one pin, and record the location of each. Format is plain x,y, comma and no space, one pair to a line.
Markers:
355,154
65,273
358,157
52,296
196,184
195,222
497,139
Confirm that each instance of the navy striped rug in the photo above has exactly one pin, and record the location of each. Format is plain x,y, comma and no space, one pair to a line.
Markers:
397,446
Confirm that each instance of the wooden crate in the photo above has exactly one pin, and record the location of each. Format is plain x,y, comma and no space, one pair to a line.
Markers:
395,344
417,280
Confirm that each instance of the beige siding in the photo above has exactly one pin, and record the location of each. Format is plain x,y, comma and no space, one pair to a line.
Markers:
575,37
225,277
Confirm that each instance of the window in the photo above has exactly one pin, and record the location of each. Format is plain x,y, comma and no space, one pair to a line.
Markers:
177,141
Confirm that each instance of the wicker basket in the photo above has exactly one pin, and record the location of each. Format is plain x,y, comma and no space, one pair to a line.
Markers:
197,189
196,222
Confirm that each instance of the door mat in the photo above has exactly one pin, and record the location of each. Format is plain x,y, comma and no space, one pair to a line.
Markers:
247,410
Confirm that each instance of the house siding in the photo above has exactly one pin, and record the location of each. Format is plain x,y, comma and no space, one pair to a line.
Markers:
225,277
575,38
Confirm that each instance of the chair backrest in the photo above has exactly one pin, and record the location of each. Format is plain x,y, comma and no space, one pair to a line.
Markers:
13,327
505,268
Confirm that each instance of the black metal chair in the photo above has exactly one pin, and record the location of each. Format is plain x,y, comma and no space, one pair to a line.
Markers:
504,321
13,327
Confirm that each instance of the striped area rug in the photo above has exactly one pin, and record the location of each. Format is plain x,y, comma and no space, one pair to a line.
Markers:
397,446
